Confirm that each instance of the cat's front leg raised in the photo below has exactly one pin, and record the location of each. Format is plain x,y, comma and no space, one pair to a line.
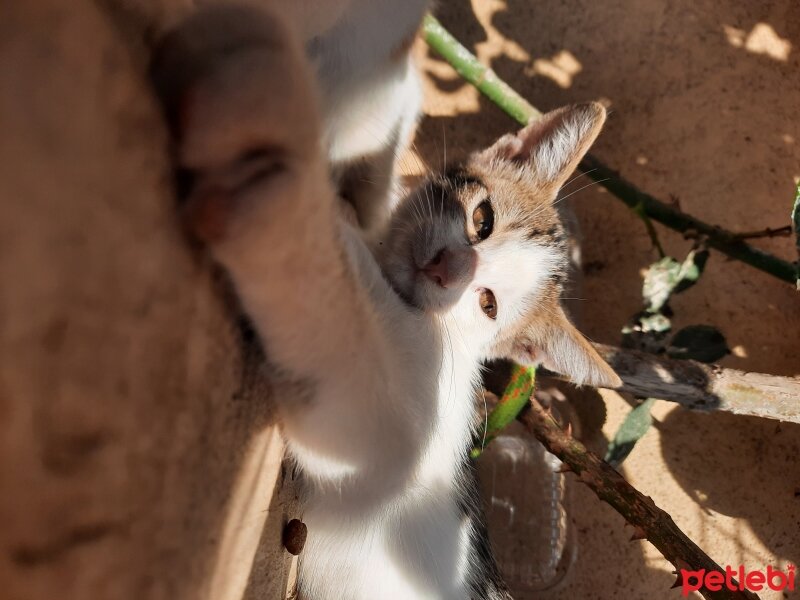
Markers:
244,111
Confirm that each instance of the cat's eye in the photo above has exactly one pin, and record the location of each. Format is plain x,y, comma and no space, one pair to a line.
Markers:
488,304
483,220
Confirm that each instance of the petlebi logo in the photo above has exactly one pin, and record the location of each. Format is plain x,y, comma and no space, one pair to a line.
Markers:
738,580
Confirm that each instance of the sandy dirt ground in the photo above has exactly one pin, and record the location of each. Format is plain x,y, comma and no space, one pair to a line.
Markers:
704,97
137,435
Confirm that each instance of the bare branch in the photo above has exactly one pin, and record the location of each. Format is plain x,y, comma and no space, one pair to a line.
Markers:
769,232
649,521
705,387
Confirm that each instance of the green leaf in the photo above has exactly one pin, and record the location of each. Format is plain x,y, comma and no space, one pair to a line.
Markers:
515,397
667,276
659,281
633,428
698,342
693,266
656,323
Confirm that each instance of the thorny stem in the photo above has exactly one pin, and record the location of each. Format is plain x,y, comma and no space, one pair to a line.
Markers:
651,231
785,231
476,73
514,105
649,521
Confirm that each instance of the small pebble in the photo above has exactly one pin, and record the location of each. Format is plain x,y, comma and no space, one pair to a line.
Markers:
294,536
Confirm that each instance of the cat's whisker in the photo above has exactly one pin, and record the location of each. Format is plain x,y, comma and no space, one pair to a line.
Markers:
417,208
444,145
419,163
436,153
485,419
446,330
579,176
429,204
463,345
588,185
427,197
403,227
417,155
450,398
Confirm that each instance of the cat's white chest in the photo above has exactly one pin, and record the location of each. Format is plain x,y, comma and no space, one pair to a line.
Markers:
415,543
417,548
447,449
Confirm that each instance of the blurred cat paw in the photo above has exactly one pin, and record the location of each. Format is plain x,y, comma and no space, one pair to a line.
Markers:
239,100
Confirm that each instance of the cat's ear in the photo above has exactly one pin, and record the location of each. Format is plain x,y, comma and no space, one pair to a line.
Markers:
559,346
554,144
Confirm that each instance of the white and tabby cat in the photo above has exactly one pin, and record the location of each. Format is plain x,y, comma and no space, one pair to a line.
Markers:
376,349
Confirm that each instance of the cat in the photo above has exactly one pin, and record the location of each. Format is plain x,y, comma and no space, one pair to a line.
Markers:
375,344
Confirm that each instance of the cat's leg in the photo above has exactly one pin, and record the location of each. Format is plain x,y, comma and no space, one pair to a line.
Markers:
247,126
373,98
373,132
367,186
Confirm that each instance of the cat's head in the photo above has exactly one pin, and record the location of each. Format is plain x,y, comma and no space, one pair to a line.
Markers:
483,247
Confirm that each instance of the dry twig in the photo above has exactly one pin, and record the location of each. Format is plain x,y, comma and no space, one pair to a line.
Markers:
705,387
648,520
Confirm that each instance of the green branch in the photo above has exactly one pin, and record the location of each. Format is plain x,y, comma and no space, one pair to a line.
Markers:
476,73
514,105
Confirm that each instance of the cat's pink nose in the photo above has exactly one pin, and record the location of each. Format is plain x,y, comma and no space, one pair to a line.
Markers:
437,269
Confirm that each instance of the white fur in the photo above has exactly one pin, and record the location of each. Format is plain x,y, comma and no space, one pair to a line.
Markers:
550,156
514,270
370,98
390,527
376,391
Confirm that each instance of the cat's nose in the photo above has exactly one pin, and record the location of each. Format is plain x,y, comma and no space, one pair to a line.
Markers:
437,270
451,267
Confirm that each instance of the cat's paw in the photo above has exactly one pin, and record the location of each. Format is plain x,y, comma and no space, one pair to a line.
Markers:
216,198
238,96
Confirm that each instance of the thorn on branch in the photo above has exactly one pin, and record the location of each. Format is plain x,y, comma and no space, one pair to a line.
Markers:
785,231
678,580
691,234
637,509
638,534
